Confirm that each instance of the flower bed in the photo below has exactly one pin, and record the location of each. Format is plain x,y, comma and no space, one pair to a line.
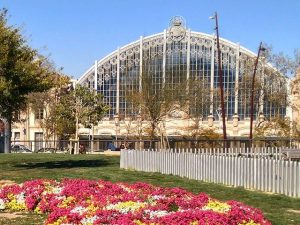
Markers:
87,202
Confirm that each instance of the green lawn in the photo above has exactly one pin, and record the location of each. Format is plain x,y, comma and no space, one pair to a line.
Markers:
20,167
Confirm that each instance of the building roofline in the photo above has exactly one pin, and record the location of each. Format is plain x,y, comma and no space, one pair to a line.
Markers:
205,35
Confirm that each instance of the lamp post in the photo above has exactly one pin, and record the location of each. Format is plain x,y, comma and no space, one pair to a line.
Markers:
260,49
215,17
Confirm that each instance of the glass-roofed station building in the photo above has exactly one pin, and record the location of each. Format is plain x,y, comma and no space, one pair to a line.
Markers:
175,56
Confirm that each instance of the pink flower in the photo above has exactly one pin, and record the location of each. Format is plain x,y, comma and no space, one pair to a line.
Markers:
77,201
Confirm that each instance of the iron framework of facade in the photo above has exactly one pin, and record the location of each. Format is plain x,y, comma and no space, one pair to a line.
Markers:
191,54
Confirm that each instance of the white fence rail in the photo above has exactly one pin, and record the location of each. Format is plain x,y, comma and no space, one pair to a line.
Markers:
259,173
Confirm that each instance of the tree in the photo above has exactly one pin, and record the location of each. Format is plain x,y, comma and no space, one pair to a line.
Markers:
2,127
129,126
195,102
78,106
245,92
22,71
88,106
284,64
154,103
274,127
276,92
295,97
65,120
272,90
270,85
47,102
206,138
278,127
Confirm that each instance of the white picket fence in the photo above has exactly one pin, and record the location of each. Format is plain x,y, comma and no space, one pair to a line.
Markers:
259,173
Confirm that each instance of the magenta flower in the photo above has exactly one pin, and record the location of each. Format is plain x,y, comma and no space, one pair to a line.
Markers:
86,202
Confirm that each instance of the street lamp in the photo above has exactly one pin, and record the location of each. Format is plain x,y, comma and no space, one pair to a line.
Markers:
215,17
260,49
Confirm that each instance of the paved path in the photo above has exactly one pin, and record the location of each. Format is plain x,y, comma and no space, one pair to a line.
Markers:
114,153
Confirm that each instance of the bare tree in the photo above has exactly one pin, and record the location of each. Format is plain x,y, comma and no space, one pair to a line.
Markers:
272,91
274,127
196,102
270,86
153,102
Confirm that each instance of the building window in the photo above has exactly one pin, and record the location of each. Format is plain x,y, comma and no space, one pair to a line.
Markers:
17,115
38,140
39,114
17,135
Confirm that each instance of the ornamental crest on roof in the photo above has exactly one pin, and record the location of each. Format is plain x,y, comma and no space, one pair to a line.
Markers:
177,29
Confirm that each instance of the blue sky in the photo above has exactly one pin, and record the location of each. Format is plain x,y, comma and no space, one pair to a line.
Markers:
75,33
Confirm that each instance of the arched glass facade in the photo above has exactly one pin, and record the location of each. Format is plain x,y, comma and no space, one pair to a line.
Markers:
193,56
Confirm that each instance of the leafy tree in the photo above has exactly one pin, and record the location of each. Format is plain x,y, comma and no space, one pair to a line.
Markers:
79,106
88,106
65,120
22,71
48,102
66,108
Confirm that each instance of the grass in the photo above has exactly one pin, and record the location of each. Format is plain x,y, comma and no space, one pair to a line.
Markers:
21,167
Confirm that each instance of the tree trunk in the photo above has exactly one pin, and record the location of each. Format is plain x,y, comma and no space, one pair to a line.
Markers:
7,136
152,134
92,139
76,136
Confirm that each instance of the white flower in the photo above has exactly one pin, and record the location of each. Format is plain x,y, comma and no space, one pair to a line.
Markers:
125,207
57,190
60,197
79,209
89,220
157,197
110,206
21,198
2,204
125,188
158,213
